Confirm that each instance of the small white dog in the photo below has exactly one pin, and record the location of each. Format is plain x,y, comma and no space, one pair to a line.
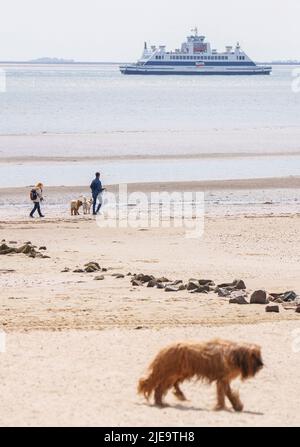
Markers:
86,205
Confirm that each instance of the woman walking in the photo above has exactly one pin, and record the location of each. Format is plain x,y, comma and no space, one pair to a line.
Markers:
36,195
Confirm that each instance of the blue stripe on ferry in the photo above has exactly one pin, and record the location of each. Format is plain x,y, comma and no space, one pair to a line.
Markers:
207,63
197,73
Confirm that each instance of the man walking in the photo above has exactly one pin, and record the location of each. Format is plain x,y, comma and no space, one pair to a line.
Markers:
96,188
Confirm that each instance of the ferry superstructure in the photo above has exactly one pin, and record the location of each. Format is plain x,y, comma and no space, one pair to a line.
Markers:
196,57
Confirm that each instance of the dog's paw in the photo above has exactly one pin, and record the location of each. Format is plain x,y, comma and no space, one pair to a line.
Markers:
239,407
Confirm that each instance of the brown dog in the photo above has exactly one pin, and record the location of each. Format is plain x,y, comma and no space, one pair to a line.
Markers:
214,361
75,205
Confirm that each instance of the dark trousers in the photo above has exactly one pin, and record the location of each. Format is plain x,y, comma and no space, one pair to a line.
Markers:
37,207
96,210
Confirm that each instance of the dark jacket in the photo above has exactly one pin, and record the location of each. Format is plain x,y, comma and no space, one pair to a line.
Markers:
96,187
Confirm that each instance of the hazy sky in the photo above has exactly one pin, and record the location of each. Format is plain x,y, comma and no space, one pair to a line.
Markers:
114,30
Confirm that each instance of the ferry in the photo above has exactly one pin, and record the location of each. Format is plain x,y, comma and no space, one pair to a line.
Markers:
196,57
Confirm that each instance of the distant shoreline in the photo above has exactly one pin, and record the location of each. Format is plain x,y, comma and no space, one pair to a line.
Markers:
142,157
114,63
147,187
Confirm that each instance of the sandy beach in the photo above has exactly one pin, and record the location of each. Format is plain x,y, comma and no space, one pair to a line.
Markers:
195,165
82,344
162,144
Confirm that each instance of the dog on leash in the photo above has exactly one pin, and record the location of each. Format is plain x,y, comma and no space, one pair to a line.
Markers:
75,205
86,205
216,361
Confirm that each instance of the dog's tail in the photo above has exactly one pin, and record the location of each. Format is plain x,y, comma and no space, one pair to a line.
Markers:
146,386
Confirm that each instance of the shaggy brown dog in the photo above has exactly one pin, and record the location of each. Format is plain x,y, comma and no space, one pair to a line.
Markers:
214,361
75,205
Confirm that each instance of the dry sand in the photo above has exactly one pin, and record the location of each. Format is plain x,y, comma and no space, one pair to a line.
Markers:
73,352
89,378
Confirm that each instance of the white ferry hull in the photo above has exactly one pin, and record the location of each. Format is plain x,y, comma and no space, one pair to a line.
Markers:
136,69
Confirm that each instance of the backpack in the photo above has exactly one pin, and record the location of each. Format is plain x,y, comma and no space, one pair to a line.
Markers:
33,195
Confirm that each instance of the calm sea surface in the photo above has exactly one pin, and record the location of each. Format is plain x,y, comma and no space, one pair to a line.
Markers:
83,99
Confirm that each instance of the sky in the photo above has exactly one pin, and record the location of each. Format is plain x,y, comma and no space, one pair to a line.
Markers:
115,30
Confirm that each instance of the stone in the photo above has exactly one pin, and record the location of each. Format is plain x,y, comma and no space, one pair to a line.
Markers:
238,293
193,284
237,284
65,270
161,285
119,276
144,278
200,289
272,308
104,269
222,292
136,283
163,279
239,299
78,271
289,296
43,248
7,251
298,310
259,297
171,288
285,296
176,282
26,249
206,282
99,278
92,267
152,283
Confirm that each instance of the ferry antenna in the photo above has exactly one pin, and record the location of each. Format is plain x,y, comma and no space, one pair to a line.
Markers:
195,30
